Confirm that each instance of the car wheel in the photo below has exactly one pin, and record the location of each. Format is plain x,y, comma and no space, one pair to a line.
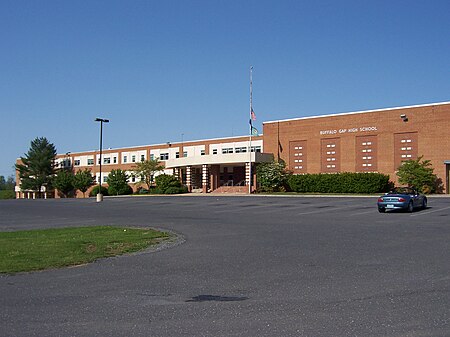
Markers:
382,210
424,204
410,207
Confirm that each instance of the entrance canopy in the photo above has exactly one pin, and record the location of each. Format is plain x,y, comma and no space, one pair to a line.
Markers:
220,159
214,171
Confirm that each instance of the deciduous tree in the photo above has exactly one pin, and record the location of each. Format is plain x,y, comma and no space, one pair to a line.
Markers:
118,183
147,169
83,180
64,181
7,184
418,174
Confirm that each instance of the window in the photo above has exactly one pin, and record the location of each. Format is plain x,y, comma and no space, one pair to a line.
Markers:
184,154
258,149
142,157
107,160
77,162
125,159
115,160
202,152
214,151
152,157
105,179
133,158
177,154
90,161
164,156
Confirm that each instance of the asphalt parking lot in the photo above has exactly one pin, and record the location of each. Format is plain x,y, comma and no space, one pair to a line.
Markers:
244,266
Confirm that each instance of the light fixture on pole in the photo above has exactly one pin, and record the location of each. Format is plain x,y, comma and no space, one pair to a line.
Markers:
99,194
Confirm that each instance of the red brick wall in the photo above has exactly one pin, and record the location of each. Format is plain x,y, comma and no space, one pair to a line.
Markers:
428,127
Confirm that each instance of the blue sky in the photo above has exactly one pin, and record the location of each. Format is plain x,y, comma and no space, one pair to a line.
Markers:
160,69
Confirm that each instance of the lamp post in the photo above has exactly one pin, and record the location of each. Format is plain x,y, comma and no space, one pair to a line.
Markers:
99,194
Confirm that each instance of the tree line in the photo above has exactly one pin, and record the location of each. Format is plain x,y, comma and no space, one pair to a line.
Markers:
7,184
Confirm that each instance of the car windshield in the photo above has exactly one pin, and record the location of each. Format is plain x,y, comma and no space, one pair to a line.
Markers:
402,190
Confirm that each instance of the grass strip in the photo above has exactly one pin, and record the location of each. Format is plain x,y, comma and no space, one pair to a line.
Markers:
24,251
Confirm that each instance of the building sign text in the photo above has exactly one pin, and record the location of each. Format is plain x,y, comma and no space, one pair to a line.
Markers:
350,130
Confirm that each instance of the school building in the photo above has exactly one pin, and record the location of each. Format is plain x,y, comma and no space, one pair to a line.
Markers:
362,141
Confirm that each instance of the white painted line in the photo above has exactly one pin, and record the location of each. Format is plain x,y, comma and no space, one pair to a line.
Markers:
371,211
428,212
322,210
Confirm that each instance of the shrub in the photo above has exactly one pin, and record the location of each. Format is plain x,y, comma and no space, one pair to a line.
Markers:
272,176
120,190
94,191
164,181
340,183
141,190
7,194
176,190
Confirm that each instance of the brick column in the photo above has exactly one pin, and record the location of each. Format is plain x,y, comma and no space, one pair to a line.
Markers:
205,178
214,176
188,178
247,174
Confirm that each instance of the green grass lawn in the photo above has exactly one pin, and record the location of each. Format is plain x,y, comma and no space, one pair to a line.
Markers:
24,251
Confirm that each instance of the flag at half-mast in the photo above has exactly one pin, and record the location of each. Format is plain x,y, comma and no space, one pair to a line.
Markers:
252,115
253,130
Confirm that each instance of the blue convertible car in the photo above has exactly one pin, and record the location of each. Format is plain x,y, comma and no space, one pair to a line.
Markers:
402,198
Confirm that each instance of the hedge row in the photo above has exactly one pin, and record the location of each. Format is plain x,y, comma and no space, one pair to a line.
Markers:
340,183
7,194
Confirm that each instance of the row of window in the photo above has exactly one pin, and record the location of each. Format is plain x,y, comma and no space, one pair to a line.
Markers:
165,156
237,150
107,160
131,179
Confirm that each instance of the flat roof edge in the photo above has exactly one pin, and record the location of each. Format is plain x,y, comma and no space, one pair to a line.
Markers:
161,144
358,112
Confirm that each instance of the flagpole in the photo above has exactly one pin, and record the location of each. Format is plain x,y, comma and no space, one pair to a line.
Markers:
251,130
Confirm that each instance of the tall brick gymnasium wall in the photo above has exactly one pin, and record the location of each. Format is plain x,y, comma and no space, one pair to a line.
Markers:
372,141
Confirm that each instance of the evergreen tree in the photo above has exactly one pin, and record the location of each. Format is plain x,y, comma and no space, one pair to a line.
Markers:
37,167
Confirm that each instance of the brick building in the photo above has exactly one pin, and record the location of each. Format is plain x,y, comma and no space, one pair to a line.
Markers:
363,141
221,164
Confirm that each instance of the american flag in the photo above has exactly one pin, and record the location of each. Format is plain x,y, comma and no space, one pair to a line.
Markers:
252,115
